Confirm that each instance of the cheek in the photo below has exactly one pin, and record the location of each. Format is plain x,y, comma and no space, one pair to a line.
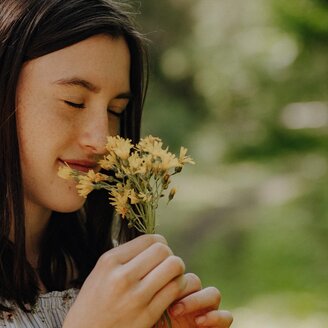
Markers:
41,124
42,139
35,136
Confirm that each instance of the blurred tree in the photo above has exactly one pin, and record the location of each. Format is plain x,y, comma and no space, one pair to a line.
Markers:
173,109
211,64
308,19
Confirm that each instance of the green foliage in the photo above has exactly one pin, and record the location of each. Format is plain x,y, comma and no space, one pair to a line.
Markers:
244,85
307,18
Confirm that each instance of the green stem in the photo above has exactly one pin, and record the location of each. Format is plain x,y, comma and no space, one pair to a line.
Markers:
168,319
150,218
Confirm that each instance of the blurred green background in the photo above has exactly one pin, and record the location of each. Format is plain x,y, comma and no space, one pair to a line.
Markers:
244,85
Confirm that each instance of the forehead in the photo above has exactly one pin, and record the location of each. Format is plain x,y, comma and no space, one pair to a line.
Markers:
102,59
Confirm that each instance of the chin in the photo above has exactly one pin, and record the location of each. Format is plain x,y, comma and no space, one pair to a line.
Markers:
67,205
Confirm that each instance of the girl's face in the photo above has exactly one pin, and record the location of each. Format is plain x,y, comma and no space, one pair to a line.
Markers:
67,103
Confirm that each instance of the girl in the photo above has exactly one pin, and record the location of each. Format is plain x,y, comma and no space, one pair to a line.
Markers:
71,73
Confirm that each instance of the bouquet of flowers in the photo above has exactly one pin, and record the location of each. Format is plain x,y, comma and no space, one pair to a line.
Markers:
139,176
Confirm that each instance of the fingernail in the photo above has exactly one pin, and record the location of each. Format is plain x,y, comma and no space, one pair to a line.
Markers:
200,320
177,309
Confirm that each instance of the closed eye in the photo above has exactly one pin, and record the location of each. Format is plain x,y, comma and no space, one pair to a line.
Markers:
82,106
75,105
117,114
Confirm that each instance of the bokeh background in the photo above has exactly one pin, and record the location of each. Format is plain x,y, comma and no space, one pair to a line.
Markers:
244,85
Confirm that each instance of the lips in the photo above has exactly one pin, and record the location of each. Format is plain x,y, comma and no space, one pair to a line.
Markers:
80,165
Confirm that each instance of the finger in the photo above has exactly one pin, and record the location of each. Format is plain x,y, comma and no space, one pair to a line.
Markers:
171,268
162,300
148,260
193,285
218,319
207,298
124,253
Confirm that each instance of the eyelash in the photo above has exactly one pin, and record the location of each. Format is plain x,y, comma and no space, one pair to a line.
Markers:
82,106
75,105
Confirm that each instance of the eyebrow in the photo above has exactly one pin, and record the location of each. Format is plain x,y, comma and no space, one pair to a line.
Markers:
75,81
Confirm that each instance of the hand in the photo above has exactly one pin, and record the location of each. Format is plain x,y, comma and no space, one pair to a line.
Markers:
198,307
130,286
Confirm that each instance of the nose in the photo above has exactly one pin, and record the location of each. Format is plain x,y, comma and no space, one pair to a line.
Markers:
93,135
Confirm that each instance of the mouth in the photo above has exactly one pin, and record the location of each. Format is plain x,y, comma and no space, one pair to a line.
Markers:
80,165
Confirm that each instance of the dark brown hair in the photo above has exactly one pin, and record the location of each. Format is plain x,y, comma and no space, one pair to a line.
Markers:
30,29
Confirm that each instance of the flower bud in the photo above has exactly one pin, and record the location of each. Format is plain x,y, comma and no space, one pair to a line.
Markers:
178,169
172,193
166,181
